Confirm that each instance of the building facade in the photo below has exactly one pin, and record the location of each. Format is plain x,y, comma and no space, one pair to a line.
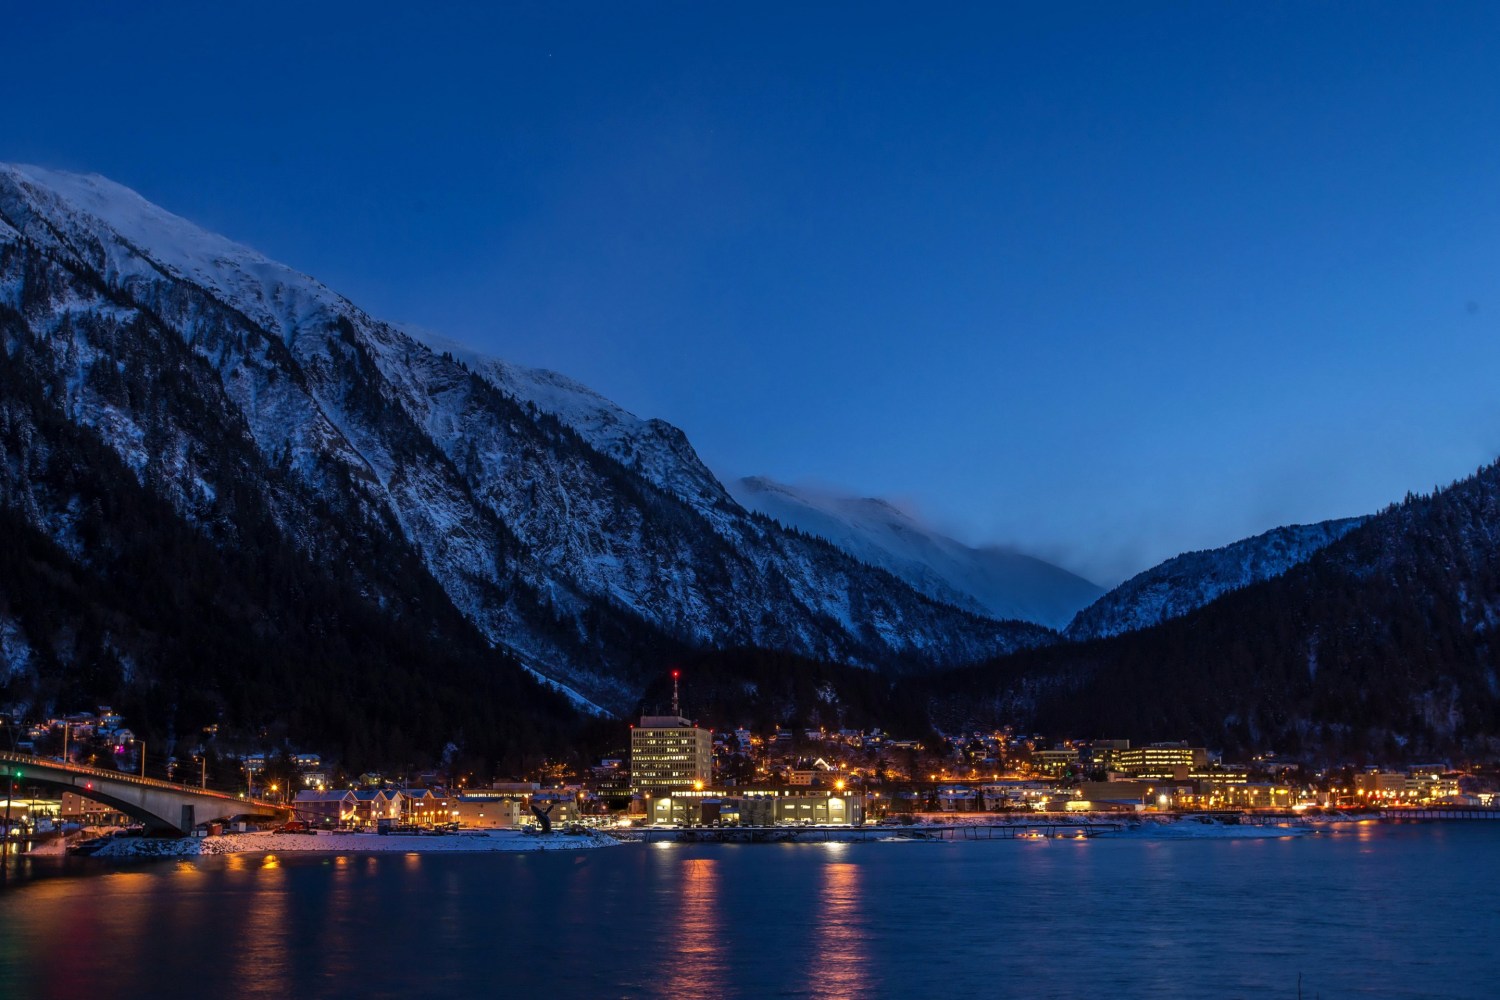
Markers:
758,807
1167,761
668,752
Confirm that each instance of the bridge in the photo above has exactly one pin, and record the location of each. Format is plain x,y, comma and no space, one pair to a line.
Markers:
163,806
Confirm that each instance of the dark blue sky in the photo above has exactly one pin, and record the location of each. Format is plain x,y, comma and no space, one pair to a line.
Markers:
1105,282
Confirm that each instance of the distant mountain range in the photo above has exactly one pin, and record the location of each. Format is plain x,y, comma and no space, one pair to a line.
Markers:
992,581
228,495
257,409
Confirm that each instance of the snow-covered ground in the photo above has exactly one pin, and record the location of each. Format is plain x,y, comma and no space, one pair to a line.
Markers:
292,843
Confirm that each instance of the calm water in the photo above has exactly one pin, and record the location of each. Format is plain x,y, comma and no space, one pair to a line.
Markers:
1388,911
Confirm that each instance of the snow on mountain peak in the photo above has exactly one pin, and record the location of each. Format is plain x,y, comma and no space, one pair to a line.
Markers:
564,527
991,581
272,293
654,448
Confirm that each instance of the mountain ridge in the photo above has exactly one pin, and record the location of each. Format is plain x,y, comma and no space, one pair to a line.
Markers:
587,554
1185,582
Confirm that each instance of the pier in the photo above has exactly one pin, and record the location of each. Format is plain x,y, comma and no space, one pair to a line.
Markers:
1441,812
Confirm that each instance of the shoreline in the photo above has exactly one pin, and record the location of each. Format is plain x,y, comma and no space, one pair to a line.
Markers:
949,827
473,842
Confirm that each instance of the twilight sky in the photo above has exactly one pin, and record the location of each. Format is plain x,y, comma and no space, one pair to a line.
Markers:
1102,282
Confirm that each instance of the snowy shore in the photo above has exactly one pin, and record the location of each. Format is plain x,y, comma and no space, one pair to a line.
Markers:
323,842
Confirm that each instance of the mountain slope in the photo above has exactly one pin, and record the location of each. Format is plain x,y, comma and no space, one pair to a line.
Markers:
586,552
1380,644
158,573
1193,579
989,581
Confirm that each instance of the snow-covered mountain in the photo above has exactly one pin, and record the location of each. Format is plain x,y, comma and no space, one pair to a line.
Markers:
992,581
1187,582
585,540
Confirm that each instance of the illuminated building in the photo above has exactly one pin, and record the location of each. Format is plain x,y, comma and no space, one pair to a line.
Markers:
667,752
1054,762
335,808
758,807
1160,760
1376,786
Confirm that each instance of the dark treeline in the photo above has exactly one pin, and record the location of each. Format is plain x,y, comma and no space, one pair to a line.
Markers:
760,689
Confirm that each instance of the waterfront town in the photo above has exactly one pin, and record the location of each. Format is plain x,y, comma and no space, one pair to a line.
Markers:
672,772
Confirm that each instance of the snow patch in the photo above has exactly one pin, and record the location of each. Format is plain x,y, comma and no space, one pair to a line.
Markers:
15,652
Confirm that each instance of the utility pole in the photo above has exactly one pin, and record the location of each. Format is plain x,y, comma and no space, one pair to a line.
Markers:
5,851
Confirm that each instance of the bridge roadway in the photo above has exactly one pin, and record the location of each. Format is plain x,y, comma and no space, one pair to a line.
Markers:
163,806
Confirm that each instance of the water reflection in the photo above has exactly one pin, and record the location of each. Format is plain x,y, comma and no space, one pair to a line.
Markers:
695,966
261,951
334,943
841,959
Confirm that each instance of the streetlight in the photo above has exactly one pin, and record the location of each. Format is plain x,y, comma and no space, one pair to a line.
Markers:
142,753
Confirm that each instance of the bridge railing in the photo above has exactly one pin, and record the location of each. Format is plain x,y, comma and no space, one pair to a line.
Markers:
82,770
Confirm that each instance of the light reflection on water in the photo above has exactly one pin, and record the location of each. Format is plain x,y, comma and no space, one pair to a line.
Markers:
839,965
261,946
995,919
694,963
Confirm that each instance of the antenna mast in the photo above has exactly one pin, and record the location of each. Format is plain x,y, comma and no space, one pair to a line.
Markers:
675,709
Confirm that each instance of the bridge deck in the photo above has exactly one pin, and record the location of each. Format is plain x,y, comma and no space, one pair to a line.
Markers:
21,766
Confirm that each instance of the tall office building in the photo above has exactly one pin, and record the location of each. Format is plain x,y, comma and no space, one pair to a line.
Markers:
668,752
